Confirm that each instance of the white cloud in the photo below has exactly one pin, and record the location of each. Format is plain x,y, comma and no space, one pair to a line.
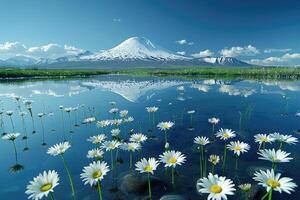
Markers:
286,59
276,50
181,53
117,20
202,54
53,51
184,41
10,49
239,51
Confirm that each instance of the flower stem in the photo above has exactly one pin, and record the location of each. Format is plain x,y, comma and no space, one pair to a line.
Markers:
212,168
130,161
236,162
149,187
51,196
265,196
280,146
99,190
224,158
173,179
15,149
166,140
12,123
270,195
201,168
69,175
112,160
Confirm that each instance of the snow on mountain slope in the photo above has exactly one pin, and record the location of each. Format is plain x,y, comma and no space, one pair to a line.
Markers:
136,48
225,61
21,61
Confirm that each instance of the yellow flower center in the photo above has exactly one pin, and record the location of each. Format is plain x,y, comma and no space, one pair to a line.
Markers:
165,126
96,174
111,146
46,187
237,148
148,168
273,183
264,139
225,135
215,189
172,160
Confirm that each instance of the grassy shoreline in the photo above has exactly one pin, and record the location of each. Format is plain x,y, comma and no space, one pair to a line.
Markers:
284,73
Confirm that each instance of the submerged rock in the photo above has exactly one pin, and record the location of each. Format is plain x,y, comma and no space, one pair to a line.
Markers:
173,197
138,184
255,193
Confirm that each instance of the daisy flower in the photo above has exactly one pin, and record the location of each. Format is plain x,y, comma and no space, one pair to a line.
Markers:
225,134
10,136
163,126
131,146
89,120
274,156
42,185
113,110
152,109
111,145
288,139
245,187
59,148
238,147
95,153
138,137
263,138
218,187
94,172
214,159
201,140
172,158
123,113
213,120
147,166
115,132
271,181
97,139
103,123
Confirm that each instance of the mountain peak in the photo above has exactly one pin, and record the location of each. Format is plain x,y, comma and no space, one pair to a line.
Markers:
136,48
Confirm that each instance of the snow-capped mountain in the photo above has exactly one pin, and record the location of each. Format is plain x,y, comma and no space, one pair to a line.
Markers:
136,48
225,61
133,52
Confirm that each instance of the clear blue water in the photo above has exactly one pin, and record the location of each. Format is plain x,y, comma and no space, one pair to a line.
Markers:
265,107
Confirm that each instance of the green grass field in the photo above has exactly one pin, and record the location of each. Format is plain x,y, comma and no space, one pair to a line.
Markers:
286,73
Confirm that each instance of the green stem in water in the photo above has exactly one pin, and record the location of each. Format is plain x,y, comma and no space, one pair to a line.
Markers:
69,175
212,168
12,123
166,140
224,158
149,187
99,190
173,179
280,146
51,196
112,160
270,195
201,167
205,165
15,149
265,196
130,161
236,162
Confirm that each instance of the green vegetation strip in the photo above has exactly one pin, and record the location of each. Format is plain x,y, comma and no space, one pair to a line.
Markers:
288,73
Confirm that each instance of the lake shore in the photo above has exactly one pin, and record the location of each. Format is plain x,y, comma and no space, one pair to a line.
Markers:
282,73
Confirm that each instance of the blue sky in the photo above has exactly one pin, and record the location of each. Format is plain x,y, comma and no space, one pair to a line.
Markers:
261,31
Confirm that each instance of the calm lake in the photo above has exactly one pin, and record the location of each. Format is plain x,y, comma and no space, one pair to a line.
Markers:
245,106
